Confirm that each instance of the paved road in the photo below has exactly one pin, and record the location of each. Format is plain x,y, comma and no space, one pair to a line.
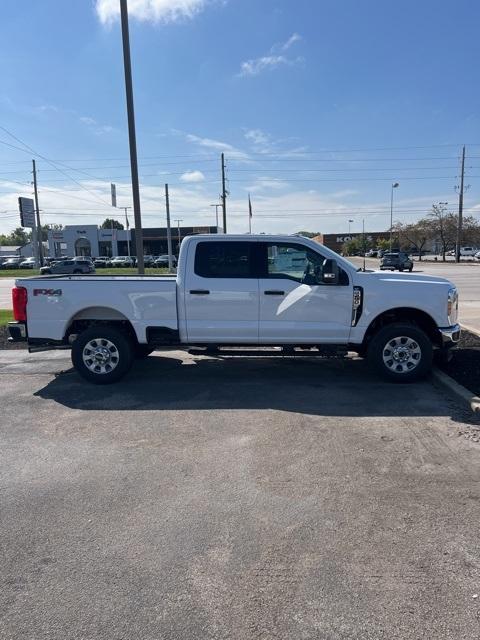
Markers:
466,278
234,500
6,286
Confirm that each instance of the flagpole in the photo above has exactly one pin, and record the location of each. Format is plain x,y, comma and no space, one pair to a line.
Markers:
249,215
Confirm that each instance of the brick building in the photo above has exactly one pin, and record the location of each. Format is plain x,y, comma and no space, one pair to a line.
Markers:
335,241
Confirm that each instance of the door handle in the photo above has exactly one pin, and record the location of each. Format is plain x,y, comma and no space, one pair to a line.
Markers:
274,292
199,292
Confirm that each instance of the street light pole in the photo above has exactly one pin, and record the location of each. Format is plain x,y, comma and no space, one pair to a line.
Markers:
132,137
349,223
394,186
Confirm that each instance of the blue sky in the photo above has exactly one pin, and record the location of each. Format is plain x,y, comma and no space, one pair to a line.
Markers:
318,107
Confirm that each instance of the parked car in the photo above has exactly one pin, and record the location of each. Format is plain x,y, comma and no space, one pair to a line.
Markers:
121,261
148,260
68,267
29,263
162,261
12,263
251,290
467,252
477,255
398,260
381,253
101,262
371,254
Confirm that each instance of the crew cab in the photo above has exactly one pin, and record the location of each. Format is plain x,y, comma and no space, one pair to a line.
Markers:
254,291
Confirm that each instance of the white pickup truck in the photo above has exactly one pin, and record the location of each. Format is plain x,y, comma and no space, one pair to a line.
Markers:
253,291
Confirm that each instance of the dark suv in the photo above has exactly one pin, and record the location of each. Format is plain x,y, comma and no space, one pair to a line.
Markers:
398,260
69,267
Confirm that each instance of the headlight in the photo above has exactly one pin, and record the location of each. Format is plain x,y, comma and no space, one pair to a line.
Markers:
452,306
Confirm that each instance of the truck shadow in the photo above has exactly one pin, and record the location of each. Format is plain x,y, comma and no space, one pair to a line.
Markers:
300,385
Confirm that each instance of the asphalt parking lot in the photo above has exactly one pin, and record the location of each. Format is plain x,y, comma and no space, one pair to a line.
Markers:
209,498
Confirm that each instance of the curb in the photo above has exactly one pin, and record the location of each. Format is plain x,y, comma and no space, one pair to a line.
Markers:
470,329
462,394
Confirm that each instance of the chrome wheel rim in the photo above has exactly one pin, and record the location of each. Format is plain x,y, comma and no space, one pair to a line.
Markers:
402,354
100,356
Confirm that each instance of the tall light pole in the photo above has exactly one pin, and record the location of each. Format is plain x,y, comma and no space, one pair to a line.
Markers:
394,186
349,223
132,138
216,212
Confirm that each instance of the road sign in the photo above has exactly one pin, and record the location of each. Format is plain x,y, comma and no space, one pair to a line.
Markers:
27,212
113,189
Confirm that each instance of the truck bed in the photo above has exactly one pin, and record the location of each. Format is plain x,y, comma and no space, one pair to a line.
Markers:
55,302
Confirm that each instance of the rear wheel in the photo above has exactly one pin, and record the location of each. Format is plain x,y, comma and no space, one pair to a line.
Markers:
102,354
401,352
410,268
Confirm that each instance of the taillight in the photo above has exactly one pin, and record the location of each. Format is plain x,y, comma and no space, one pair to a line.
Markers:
19,298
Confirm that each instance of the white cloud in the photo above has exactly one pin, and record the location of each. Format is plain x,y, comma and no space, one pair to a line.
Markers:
295,37
257,65
88,121
273,60
267,183
216,145
257,136
150,10
192,176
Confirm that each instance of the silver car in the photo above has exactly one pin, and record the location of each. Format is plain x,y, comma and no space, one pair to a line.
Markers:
69,267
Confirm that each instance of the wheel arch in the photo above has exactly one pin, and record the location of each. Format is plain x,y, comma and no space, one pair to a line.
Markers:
99,315
411,315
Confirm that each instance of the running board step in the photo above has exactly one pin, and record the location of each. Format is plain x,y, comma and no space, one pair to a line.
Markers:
325,351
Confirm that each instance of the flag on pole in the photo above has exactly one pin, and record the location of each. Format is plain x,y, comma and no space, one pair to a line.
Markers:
249,214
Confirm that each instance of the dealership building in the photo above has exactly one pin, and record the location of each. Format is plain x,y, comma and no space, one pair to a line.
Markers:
335,241
90,240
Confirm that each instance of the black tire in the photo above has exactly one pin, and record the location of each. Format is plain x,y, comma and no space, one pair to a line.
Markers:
400,268
104,336
77,271
143,351
414,352
410,269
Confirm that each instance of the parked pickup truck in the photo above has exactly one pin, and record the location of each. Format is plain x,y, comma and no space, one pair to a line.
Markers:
286,291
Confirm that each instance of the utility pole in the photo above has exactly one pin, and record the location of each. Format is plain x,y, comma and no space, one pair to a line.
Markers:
460,208
132,137
37,213
169,231
224,196
179,237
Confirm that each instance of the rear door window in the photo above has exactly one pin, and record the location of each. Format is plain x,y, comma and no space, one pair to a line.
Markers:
224,259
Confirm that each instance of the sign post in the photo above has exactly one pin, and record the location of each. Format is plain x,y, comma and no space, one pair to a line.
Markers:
27,219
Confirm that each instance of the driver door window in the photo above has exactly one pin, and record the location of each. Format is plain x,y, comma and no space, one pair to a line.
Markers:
294,262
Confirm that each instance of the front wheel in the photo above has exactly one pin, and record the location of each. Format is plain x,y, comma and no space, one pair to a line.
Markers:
102,354
401,352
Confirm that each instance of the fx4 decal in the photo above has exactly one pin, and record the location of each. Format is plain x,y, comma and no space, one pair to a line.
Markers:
47,292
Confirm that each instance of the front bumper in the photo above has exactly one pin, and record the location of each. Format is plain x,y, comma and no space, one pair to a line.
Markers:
450,335
17,331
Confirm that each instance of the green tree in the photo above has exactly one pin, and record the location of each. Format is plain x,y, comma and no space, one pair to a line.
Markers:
17,237
308,234
383,244
444,227
110,223
415,235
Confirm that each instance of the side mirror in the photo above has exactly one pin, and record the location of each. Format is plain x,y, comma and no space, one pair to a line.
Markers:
330,273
